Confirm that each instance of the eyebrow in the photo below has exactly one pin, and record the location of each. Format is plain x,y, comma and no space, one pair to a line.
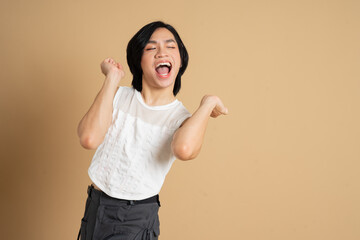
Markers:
166,41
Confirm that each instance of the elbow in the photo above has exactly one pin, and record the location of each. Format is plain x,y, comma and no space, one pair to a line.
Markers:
184,152
88,143
89,139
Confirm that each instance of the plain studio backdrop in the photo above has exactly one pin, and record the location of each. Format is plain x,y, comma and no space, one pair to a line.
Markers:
284,164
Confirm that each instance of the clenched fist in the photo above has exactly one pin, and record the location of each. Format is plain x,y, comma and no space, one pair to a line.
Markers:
217,106
112,69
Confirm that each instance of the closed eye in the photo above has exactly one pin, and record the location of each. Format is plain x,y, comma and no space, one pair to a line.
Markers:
150,49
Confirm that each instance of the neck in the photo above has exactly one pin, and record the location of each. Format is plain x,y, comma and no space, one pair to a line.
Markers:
157,97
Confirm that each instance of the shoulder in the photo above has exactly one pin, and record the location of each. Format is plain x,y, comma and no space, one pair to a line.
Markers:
180,115
125,90
182,109
122,93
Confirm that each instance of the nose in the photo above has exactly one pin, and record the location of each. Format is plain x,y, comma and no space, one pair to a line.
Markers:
161,52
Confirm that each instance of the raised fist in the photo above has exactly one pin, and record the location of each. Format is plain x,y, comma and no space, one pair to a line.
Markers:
111,68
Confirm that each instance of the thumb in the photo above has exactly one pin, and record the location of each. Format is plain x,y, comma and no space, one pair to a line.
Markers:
222,109
118,65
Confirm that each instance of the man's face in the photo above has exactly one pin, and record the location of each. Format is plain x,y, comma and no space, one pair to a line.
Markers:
161,60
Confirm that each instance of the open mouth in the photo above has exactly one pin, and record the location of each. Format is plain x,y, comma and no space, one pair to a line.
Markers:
163,69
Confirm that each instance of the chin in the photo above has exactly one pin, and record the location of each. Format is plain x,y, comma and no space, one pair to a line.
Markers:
165,81
166,85
160,82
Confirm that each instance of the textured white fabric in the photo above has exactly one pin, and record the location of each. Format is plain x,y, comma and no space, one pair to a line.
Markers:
136,155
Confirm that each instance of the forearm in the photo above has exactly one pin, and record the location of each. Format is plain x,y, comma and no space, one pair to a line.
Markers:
96,122
188,139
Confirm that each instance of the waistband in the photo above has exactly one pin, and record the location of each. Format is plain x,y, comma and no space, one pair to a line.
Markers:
93,192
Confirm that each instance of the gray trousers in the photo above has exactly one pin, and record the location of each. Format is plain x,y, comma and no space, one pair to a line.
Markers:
116,219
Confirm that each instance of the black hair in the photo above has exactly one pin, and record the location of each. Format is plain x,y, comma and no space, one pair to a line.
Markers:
135,49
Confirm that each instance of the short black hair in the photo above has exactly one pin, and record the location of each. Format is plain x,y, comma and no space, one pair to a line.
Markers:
135,49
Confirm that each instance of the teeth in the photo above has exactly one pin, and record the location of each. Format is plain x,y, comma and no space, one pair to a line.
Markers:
164,64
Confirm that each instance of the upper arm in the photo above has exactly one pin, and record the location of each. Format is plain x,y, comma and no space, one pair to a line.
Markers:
184,122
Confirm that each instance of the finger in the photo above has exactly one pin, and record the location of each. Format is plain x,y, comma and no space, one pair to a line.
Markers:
215,113
220,111
225,111
221,108
119,66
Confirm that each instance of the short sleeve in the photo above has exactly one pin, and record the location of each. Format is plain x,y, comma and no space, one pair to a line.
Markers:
185,115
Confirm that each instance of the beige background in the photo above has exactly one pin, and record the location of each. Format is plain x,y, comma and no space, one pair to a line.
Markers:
283,165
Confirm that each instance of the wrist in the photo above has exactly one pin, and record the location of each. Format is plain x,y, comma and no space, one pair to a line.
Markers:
111,83
208,103
114,75
209,100
113,78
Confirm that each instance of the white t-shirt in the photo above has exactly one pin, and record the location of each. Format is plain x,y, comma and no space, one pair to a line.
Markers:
135,156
